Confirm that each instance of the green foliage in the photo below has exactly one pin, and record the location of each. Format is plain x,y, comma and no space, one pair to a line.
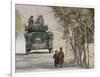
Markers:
18,22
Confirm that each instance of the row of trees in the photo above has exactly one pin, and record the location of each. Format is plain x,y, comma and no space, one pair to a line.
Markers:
78,25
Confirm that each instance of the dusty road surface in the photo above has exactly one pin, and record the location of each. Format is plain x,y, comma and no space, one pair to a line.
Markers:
38,61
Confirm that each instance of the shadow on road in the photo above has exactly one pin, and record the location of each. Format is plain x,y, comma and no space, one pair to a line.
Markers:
38,52
32,53
20,53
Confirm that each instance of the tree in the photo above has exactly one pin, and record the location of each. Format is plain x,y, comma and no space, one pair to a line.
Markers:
19,23
78,24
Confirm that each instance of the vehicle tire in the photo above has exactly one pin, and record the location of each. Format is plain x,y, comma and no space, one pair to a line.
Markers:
50,50
27,51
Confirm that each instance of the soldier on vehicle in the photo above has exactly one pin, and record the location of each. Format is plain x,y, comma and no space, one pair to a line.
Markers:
30,20
30,23
40,20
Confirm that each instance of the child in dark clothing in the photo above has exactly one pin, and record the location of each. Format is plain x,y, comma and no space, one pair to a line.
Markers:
56,58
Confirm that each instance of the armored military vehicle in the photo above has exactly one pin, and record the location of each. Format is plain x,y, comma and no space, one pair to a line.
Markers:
38,37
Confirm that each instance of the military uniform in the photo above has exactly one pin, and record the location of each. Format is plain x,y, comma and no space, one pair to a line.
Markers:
30,21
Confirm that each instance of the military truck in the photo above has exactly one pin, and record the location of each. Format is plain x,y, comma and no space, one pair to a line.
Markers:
38,37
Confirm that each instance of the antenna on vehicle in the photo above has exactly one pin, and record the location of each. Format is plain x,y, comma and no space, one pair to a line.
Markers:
37,11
